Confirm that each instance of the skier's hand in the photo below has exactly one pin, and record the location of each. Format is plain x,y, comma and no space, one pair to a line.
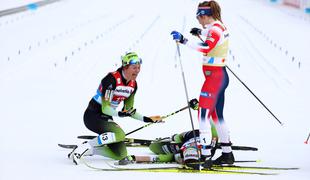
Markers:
126,113
194,104
195,31
178,37
153,119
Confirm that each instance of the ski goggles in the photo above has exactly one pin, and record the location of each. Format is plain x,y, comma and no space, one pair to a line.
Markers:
133,61
204,11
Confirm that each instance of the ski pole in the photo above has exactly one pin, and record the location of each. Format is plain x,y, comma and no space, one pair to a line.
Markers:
306,142
250,90
187,100
171,114
254,96
163,117
144,126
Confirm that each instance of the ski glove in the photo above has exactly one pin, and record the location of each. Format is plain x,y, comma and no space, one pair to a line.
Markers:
194,104
178,37
126,113
152,119
195,31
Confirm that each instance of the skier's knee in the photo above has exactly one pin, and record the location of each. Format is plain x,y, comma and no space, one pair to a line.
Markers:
165,157
110,137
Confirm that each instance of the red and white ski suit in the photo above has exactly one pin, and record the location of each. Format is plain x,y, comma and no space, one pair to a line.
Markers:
211,99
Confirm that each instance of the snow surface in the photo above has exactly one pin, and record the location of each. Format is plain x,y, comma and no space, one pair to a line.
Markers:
52,60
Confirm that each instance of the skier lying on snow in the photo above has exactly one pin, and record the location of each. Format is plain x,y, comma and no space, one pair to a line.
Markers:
180,148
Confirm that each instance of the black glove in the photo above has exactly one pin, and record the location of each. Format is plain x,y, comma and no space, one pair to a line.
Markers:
127,113
147,119
194,104
195,31
152,119
183,40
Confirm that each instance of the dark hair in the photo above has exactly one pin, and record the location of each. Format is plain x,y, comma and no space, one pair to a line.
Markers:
215,9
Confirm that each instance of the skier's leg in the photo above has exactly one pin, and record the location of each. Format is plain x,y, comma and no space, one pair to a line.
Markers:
111,133
165,147
221,128
162,154
213,130
156,147
146,158
205,132
227,156
207,104
115,151
108,130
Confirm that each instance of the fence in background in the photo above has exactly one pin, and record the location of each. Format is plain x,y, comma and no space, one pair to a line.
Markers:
300,4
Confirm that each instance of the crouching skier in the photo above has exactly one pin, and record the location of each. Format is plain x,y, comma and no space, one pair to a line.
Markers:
115,87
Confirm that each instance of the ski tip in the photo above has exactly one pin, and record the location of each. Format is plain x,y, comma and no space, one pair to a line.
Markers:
67,146
259,160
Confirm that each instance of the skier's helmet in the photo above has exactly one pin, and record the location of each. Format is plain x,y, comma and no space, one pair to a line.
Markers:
191,154
131,58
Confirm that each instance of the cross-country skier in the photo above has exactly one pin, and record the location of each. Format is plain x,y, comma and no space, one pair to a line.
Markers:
115,87
211,100
179,148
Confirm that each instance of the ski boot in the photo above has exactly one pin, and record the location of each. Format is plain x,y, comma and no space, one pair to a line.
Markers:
81,150
207,154
207,162
192,164
130,159
225,158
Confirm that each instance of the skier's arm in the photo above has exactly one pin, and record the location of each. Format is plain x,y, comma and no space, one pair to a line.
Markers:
211,41
107,109
128,105
213,37
108,84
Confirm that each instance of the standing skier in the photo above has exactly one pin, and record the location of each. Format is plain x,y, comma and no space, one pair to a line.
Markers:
211,99
115,87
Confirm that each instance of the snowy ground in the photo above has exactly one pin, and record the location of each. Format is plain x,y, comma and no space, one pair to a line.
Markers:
49,70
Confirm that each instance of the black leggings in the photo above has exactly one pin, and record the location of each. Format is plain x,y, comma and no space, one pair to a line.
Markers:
100,123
